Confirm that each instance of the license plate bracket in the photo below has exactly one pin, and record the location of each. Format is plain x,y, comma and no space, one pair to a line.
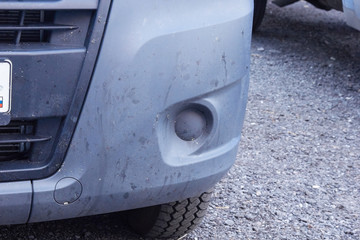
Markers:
5,91
5,86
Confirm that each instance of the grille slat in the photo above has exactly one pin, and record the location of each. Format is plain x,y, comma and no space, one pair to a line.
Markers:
7,151
28,26
21,138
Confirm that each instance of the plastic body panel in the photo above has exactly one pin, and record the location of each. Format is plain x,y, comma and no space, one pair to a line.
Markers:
15,202
352,13
28,86
157,59
49,4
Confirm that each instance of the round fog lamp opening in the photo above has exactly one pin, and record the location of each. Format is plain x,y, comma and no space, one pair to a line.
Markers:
190,124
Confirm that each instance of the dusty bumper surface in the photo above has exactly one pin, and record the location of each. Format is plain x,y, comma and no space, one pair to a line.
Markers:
171,57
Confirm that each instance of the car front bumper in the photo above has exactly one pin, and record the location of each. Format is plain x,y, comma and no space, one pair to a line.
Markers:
158,58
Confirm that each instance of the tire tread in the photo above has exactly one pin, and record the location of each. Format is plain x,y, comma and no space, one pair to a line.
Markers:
179,218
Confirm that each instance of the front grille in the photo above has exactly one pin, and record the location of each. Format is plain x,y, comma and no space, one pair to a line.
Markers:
53,49
28,26
9,146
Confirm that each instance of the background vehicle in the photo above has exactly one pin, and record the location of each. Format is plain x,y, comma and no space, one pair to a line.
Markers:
259,12
351,9
126,105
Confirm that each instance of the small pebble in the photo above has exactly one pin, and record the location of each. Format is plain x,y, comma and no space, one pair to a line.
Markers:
229,222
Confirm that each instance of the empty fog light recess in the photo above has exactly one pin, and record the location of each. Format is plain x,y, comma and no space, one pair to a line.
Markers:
193,123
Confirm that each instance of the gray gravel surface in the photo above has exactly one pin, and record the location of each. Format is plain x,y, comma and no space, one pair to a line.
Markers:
297,174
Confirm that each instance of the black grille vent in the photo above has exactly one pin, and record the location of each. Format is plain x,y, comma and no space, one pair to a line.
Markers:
16,139
28,26
12,148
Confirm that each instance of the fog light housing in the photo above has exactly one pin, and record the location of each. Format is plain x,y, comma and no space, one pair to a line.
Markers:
190,124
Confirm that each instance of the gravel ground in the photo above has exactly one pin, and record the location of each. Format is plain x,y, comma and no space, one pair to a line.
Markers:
297,174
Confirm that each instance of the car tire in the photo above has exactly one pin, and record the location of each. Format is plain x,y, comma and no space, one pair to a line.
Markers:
170,220
259,12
